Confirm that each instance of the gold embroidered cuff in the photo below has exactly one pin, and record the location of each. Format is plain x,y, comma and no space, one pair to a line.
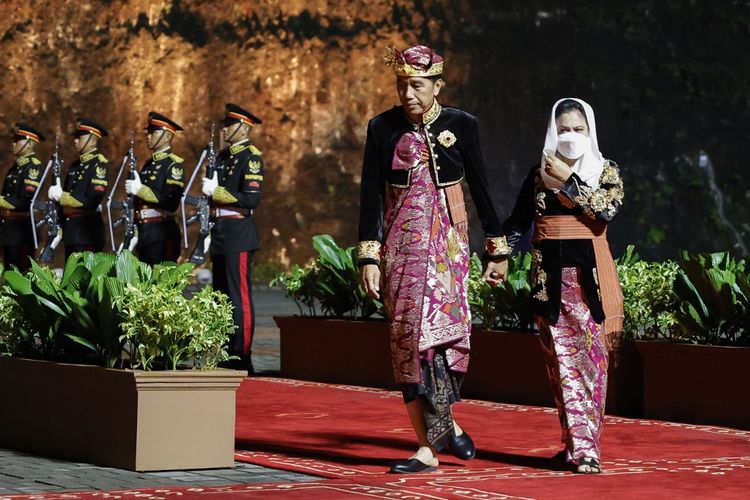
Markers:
68,200
497,247
146,194
221,195
368,250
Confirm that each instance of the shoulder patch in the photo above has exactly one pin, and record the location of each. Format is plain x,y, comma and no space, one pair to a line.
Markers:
175,158
102,158
35,160
255,150
254,166
176,172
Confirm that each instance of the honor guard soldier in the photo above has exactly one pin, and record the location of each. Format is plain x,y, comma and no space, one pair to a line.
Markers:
157,190
19,188
81,196
235,190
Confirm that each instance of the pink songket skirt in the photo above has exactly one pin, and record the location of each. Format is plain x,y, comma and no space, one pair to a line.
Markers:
425,265
577,361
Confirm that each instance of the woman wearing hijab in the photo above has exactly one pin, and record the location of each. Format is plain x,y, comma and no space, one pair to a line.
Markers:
571,198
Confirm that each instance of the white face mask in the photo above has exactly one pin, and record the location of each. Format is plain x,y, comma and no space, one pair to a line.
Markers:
573,145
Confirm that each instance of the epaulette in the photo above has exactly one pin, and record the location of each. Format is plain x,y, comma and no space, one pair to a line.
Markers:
175,158
102,158
255,151
35,160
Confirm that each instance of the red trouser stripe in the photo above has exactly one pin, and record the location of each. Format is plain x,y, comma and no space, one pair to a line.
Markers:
246,310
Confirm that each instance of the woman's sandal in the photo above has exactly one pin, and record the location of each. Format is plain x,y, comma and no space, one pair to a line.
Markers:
588,466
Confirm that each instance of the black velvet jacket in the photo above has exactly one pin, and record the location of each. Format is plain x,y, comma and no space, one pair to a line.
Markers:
453,140
550,256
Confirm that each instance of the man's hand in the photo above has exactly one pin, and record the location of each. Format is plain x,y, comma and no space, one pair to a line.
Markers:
495,272
556,168
371,280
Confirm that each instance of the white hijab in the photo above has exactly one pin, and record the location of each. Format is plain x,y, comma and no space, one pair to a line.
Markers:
589,167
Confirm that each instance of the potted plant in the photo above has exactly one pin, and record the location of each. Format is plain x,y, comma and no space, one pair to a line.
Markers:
64,395
690,375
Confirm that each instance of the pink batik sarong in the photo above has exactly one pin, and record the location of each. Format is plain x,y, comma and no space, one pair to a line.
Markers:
577,361
425,264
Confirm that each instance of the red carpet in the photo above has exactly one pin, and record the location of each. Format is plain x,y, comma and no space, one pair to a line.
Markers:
354,432
349,434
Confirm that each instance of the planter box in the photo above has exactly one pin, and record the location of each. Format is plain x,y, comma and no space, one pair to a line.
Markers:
142,421
336,351
507,367
696,383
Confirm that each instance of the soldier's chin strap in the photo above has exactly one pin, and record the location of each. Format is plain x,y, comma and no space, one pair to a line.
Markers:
83,148
229,139
158,142
23,148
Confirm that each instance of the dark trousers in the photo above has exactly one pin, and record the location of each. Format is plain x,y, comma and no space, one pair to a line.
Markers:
231,275
91,247
159,251
18,256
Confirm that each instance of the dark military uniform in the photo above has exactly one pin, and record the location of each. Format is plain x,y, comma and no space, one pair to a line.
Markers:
85,183
234,237
163,179
19,187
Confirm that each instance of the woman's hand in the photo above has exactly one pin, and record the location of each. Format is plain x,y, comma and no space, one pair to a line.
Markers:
495,272
556,168
371,280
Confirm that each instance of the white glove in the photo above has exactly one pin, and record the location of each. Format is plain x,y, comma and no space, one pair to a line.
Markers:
133,242
55,191
132,186
206,244
210,185
57,240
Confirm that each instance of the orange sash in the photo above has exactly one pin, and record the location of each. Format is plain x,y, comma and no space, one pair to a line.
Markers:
571,227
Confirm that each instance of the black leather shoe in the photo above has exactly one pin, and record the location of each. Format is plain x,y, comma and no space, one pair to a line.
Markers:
410,466
463,447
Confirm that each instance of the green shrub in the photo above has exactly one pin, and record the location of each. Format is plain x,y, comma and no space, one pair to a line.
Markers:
713,291
330,282
167,330
78,317
650,301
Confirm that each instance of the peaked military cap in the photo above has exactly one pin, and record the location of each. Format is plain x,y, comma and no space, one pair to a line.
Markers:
157,121
25,131
85,126
235,114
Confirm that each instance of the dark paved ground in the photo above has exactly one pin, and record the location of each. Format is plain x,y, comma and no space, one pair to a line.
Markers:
23,473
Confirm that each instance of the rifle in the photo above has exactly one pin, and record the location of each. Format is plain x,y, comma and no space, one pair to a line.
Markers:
202,206
126,206
50,210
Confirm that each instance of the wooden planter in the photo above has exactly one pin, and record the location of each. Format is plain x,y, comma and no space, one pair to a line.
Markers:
142,421
507,367
336,351
696,383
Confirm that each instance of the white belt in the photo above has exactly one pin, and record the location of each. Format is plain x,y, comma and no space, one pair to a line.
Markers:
222,212
150,213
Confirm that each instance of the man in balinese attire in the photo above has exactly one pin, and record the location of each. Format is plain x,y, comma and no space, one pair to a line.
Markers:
413,230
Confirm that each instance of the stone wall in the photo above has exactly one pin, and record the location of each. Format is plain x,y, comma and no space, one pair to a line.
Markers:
667,78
